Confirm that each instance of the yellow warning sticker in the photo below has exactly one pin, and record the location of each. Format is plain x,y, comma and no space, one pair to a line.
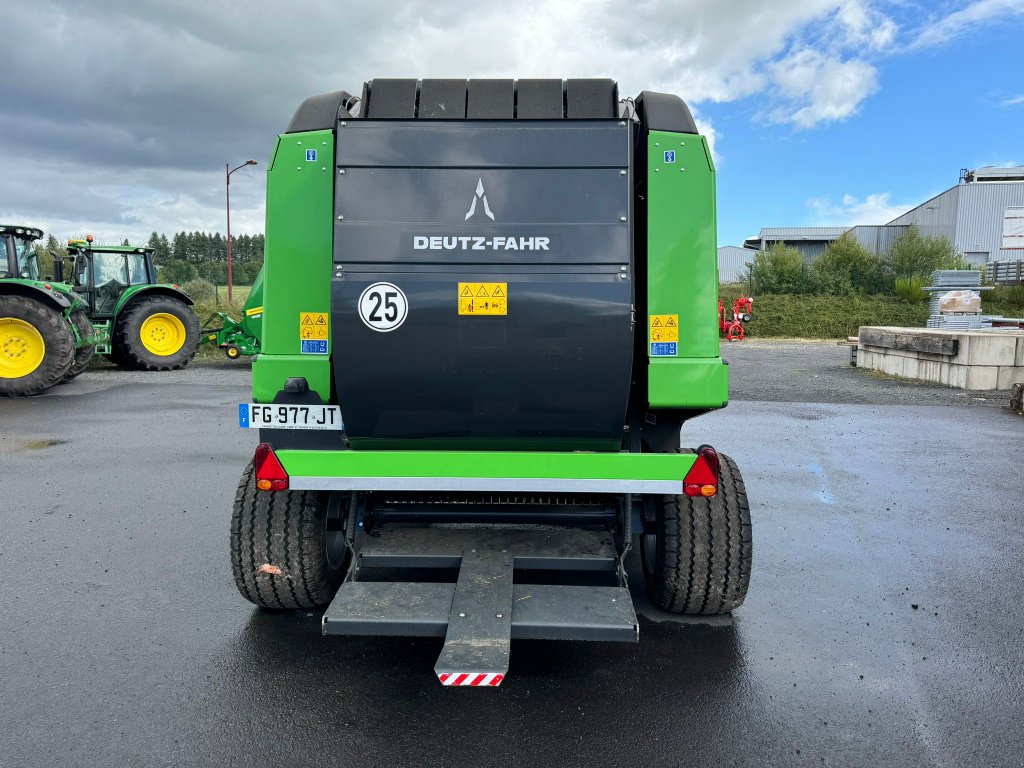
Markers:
313,325
664,328
483,298
254,311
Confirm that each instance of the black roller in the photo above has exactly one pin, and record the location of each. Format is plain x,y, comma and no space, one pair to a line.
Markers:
491,100
539,100
390,98
597,98
443,99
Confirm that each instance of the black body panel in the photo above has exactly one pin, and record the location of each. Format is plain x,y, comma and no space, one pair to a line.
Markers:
554,372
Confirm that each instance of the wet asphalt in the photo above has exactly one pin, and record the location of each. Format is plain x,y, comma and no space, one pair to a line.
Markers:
884,624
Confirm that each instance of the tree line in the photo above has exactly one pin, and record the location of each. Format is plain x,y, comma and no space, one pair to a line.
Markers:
188,256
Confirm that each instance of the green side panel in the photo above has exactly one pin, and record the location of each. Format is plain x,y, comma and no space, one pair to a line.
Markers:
682,263
297,261
693,383
252,312
504,464
270,372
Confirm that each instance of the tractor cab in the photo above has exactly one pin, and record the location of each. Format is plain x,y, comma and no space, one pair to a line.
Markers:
103,273
18,258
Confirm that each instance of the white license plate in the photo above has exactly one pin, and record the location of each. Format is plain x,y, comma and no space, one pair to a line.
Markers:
257,416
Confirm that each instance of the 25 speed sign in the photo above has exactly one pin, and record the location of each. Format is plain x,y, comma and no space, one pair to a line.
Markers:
383,307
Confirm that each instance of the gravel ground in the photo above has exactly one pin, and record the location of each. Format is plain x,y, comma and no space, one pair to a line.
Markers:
820,372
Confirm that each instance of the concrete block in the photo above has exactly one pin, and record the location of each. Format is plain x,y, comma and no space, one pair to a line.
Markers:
1019,359
982,377
1009,375
990,349
930,370
956,376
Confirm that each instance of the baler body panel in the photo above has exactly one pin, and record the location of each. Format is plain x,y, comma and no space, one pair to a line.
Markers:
425,213
297,265
682,273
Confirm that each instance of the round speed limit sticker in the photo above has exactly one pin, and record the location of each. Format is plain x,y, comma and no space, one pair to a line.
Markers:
383,307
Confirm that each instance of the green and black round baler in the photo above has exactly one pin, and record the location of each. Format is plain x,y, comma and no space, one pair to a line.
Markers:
489,307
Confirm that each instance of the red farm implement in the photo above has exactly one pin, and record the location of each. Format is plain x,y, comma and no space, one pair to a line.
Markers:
733,328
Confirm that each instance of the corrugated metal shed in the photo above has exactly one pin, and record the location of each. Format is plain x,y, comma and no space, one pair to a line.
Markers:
979,227
733,263
809,241
878,238
775,234
936,216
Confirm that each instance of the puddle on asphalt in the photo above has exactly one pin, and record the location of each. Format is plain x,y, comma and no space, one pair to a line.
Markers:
824,492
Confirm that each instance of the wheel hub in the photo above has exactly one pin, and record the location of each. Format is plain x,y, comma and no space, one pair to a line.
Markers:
162,334
22,348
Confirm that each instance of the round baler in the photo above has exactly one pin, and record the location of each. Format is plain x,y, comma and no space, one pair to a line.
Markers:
487,313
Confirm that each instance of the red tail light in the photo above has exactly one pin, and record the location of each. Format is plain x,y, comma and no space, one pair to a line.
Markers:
270,474
702,479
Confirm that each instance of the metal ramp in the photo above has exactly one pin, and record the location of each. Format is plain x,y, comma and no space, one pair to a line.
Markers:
484,609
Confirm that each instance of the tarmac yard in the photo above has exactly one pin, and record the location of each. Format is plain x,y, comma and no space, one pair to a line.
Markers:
884,623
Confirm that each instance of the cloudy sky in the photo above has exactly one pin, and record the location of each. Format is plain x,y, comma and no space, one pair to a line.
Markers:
118,115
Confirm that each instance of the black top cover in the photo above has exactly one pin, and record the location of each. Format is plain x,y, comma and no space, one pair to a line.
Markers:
664,112
491,99
319,113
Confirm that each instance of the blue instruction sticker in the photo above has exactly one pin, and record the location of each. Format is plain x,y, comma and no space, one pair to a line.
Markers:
314,346
310,155
670,155
243,415
664,349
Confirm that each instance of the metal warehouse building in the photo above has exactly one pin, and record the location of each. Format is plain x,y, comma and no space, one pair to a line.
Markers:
810,241
733,263
982,216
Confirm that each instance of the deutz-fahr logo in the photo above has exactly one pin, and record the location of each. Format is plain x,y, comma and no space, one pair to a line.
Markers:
479,206
481,196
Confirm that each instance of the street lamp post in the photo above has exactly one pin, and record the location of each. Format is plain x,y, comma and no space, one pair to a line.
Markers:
228,170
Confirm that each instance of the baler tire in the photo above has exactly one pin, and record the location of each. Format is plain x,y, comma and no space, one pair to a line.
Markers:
702,549
279,546
128,340
58,346
83,355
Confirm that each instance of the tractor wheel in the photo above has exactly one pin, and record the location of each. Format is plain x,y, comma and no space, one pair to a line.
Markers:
232,352
83,355
287,547
156,333
698,560
36,346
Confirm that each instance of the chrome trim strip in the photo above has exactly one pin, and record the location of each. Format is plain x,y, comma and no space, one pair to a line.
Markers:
509,484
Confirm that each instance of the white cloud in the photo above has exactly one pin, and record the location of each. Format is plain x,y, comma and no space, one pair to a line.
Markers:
864,25
958,23
1012,101
816,88
178,88
876,208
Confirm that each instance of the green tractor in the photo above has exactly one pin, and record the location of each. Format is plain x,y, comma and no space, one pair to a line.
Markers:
45,334
147,325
